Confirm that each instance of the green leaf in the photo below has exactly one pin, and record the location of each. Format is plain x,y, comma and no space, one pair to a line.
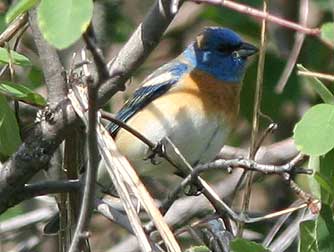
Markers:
9,130
22,93
317,236
35,77
2,23
314,164
324,183
19,8
327,33
308,237
63,21
319,87
17,59
314,133
327,172
242,245
324,5
325,229
198,249
12,212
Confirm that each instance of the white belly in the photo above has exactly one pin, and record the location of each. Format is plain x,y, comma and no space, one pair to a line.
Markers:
198,136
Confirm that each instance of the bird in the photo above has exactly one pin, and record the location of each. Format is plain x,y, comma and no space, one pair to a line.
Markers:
193,100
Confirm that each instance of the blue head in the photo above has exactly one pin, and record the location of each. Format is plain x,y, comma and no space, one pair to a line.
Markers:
220,52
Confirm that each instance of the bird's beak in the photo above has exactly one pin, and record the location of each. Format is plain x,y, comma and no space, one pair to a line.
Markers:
247,50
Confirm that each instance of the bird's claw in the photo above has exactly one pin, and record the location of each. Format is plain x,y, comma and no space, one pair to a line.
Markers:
192,190
158,150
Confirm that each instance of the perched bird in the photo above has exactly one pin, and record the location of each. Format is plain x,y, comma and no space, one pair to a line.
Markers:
193,99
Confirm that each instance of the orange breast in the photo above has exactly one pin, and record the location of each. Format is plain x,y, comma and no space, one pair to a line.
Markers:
217,96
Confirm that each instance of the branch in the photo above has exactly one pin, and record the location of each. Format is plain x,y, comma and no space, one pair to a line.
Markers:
256,115
52,68
186,208
113,215
44,188
328,77
13,28
277,153
87,206
263,15
136,50
299,40
24,220
251,165
36,151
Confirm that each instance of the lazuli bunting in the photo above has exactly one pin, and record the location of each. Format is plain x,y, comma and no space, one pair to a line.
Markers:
193,99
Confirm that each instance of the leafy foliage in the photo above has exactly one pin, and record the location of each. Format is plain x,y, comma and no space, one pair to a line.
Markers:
242,245
327,33
198,249
314,133
13,57
319,87
9,130
308,241
19,8
22,93
62,22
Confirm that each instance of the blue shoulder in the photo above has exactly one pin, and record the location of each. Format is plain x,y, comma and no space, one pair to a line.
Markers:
155,85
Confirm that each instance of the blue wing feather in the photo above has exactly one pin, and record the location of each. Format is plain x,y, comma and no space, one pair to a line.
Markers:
146,94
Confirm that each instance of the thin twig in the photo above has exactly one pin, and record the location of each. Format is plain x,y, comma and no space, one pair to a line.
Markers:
316,75
291,232
141,137
13,28
299,40
251,165
256,115
113,215
262,14
275,229
101,66
81,231
51,187
269,130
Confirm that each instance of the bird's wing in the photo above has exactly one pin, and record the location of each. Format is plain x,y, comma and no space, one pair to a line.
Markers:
155,85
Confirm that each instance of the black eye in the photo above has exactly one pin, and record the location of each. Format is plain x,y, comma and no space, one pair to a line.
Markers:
228,48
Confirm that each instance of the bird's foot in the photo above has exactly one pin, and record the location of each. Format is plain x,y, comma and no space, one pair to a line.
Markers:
158,150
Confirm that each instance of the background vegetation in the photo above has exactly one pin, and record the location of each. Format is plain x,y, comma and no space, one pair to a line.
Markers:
303,111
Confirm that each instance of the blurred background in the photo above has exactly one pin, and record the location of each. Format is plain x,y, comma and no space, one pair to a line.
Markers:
115,20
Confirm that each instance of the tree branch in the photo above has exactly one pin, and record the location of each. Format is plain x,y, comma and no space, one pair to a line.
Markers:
52,68
263,15
13,28
136,50
44,188
36,151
